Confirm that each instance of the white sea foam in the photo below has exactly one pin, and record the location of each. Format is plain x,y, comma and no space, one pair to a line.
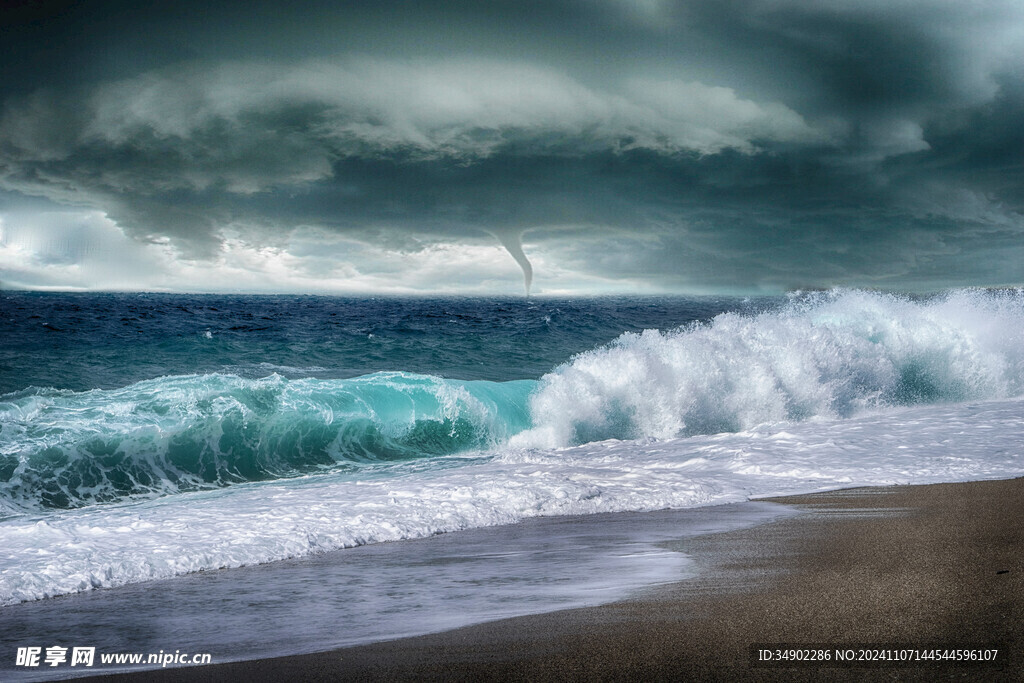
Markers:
100,546
828,355
833,390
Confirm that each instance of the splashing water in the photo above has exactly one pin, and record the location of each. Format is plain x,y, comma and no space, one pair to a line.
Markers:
189,472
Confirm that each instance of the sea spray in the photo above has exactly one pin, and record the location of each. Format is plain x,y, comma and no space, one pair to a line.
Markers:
823,391
821,356
824,355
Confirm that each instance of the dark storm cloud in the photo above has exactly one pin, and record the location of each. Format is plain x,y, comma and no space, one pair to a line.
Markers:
744,144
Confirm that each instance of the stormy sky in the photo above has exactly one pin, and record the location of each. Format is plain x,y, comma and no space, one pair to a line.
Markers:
733,146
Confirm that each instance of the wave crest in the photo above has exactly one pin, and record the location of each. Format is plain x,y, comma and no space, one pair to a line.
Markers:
62,449
829,354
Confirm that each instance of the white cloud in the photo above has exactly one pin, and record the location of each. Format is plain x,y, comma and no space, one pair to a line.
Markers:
85,250
709,119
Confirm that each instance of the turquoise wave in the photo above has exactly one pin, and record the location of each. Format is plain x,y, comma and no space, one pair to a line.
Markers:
63,449
827,355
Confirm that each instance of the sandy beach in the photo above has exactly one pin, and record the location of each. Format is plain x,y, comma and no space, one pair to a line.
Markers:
911,568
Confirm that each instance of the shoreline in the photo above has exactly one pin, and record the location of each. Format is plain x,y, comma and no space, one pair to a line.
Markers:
907,566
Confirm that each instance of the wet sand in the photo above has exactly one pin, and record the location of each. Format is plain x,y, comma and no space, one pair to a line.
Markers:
913,567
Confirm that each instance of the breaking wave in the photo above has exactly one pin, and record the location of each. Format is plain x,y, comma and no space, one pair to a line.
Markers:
820,356
824,355
63,449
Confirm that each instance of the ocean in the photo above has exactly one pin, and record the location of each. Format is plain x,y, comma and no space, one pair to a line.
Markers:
156,436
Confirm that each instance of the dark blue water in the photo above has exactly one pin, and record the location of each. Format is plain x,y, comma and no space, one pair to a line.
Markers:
107,396
90,341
